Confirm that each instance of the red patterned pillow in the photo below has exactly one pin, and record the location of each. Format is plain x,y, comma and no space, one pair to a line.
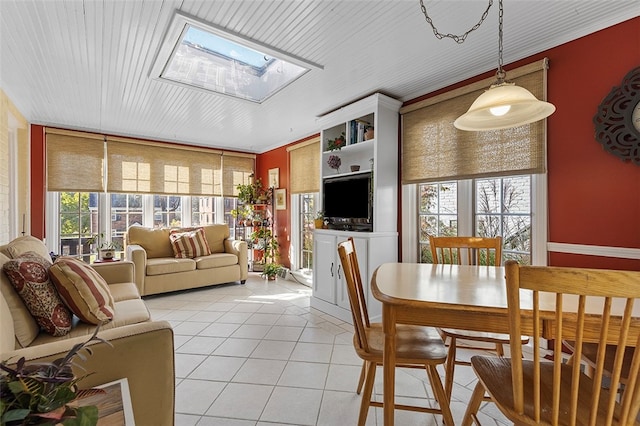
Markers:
189,243
84,291
29,275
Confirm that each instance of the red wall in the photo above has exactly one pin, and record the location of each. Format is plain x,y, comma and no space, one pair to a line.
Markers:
594,198
277,158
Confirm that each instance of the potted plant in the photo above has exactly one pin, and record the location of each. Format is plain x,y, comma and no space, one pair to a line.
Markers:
270,271
106,249
241,214
40,393
337,143
318,222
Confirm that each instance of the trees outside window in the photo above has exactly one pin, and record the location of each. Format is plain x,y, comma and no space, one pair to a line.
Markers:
497,206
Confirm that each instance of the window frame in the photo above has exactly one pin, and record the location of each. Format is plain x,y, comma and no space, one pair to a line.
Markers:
539,223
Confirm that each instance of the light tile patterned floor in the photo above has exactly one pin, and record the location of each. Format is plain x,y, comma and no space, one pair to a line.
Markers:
258,354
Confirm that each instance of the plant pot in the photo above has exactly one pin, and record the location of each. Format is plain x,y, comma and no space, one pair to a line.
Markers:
369,134
318,223
106,254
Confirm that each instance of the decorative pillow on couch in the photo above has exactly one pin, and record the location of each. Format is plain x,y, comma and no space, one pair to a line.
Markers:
84,291
189,243
29,275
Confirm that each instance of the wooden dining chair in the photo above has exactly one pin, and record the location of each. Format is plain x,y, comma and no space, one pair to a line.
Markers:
538,391
470,251
589,355
416,346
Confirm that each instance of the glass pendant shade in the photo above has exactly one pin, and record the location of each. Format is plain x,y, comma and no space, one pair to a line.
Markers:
503,106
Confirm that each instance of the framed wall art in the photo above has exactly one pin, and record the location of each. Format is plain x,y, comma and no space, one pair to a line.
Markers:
274,178
281,199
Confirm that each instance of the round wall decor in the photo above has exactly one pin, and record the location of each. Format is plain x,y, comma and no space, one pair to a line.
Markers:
617,121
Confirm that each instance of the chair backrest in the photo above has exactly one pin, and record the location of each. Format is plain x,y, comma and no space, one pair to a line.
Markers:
582,305
475,250
357,297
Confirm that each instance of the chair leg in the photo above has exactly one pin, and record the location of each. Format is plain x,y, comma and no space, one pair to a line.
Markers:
450,368
441,396
363,373
370,377
474,405
500,349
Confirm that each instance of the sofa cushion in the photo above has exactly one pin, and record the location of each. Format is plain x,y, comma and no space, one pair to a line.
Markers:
216,260
169,266
83,290
24,244
29,275
216,234
190,243
155,241
25,327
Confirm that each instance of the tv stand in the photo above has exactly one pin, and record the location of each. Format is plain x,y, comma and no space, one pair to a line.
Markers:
376,237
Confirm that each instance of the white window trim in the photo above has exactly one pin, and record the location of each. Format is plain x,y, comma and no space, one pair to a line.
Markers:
294,239
539,221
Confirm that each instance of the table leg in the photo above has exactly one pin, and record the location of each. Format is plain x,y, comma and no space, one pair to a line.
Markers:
389,363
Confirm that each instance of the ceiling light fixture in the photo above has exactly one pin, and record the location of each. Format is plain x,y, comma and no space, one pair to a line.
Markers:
503,105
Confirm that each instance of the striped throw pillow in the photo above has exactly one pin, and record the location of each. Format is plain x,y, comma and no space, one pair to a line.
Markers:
83,290
189,243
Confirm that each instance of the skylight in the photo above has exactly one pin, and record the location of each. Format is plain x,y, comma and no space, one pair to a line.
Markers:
206,57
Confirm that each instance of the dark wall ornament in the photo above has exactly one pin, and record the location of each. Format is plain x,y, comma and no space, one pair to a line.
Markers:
617,121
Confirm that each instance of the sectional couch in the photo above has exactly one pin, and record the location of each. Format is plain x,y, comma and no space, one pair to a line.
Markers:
139,349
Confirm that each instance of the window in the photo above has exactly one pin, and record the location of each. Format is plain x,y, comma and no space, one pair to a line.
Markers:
438,214
503,207
307,210
77,222
166,211
203,56
76,216
485,207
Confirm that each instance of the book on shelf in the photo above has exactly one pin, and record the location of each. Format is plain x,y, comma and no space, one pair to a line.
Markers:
356,131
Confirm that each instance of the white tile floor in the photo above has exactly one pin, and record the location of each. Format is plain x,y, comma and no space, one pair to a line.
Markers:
258,354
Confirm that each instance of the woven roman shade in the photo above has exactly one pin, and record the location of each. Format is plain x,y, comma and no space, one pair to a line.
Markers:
74,161
237,169
434,150
304,167
146,167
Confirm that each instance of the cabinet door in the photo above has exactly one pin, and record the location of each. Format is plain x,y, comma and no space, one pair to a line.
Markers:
325,268
362,253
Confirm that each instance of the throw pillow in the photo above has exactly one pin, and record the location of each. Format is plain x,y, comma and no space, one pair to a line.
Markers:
189,243
29,275
84,291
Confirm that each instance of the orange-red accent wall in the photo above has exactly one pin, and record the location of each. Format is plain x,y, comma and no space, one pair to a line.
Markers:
594,197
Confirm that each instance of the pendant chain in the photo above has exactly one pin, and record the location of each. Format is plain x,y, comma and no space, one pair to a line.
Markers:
500,73
461,38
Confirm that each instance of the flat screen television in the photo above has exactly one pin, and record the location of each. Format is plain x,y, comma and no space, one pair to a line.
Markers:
347,202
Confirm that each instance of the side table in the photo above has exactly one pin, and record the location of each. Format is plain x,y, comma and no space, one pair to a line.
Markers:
114,406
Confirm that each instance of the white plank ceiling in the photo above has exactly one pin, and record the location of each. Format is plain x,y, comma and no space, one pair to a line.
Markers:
85,64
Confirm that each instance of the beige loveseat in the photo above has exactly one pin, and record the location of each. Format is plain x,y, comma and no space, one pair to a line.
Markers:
159,271
141,349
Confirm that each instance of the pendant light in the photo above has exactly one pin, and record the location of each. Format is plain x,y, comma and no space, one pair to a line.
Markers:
504,104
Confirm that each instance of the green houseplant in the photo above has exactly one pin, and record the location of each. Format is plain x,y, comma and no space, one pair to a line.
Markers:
40,393
106,249
270,270
337,143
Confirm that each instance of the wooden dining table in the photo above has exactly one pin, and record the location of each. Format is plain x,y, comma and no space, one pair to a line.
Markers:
450,296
